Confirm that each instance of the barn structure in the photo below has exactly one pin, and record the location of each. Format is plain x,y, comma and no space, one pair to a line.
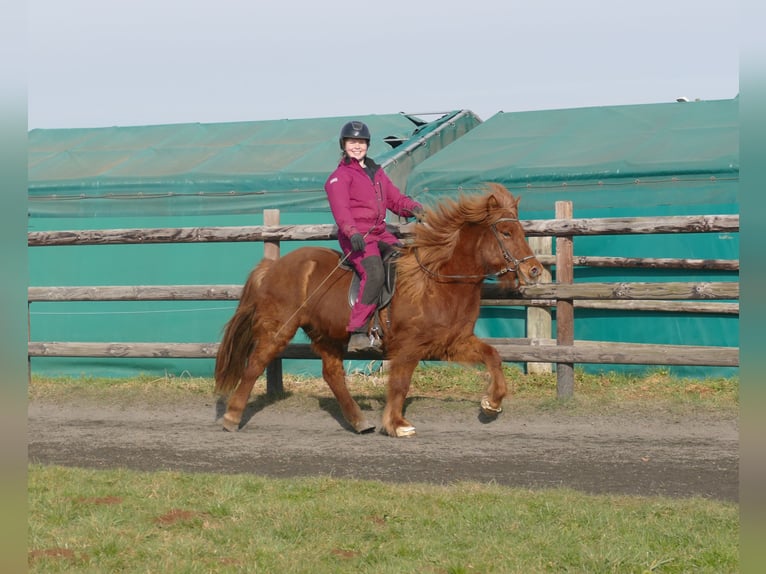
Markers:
619,161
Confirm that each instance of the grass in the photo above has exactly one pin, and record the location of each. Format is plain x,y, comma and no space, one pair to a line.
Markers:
593,393
126,521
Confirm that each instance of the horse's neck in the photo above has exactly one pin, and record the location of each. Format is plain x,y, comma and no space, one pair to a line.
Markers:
464,260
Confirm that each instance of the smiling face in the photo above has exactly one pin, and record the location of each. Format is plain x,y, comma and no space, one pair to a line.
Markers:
355,148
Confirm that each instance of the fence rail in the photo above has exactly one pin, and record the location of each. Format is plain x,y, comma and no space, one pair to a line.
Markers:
553,291
696,297
516,350
321,232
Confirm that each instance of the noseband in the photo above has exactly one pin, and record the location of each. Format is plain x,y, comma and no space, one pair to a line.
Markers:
509,258
512,264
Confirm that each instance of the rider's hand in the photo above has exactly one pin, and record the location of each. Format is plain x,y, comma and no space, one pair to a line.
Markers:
357,242
418,213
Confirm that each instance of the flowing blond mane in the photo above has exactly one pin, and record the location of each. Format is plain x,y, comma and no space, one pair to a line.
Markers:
435,241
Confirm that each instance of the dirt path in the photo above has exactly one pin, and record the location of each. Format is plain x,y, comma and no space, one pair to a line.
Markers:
644,454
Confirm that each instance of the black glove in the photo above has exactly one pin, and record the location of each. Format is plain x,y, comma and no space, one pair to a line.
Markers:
357,242
418,213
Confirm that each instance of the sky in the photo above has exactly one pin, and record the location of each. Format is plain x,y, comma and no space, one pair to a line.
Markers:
94,63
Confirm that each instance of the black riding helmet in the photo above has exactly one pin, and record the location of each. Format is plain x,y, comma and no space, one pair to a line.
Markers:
358,130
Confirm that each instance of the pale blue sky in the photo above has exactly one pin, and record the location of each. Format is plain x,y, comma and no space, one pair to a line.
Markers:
142,62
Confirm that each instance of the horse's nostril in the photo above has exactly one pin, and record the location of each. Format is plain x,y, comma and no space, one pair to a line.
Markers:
535,271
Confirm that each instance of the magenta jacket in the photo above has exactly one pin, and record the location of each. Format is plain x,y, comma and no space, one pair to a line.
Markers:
359,203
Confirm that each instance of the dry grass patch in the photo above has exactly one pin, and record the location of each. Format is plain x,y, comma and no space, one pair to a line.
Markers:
602,393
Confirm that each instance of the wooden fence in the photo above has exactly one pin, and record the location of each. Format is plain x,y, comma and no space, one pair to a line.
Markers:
563,350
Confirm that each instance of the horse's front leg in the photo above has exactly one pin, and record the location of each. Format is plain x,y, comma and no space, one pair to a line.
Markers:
335,376
399,379
474,350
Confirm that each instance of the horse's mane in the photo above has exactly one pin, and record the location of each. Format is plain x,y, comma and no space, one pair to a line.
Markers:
434,242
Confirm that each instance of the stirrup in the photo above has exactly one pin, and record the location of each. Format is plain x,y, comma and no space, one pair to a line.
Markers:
361,342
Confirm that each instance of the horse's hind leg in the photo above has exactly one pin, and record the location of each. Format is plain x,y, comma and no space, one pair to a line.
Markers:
238,399
265,350
335,376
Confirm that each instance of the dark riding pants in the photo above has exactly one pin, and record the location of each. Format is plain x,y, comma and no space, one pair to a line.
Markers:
369,265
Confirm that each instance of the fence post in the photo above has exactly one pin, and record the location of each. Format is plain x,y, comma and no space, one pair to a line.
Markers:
539,319
564,307
29,338
274,384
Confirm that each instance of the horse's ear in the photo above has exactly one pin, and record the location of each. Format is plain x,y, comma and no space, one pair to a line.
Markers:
493,203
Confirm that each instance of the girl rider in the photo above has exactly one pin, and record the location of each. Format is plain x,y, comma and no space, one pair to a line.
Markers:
360,193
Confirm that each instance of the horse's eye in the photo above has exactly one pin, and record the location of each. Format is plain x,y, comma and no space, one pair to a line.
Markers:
506,234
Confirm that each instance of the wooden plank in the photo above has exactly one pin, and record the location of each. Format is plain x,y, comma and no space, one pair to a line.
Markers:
271,247
633,225
713,290
274,382
136,293
647,262
639,290
183,235
123,350
607,353
511,350
564,307
540,319
541,227
717,307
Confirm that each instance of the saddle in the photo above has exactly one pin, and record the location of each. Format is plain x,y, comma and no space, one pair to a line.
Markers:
389,257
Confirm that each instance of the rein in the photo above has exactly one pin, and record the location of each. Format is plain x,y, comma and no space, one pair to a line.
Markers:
509,259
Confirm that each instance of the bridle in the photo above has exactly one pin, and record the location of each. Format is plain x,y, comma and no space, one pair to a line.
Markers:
512,264
509,258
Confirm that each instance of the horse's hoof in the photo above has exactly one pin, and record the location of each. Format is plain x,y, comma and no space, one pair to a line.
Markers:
229,425
405,431
488,409
364,428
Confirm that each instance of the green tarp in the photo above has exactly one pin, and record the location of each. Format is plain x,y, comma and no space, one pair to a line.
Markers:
621,157
210,169
618,161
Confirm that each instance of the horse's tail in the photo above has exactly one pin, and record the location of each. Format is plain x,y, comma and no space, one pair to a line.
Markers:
237,342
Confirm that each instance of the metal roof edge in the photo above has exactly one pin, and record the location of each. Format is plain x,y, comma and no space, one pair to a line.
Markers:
444,123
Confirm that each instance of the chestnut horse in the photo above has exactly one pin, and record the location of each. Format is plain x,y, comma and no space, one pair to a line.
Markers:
431,316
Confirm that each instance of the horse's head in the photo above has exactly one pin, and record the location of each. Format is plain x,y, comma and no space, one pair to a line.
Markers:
471,239
504,247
